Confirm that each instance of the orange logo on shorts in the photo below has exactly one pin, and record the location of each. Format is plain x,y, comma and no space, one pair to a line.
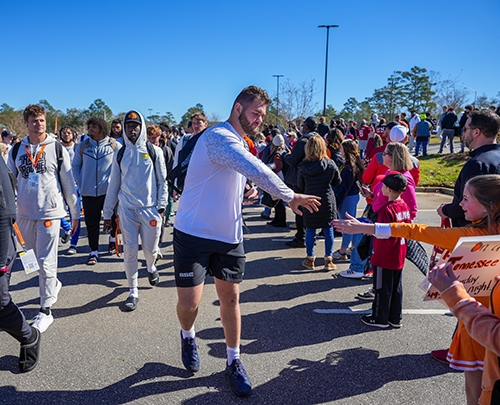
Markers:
47,224
153,223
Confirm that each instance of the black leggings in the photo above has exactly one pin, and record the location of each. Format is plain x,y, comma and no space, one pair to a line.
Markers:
92,207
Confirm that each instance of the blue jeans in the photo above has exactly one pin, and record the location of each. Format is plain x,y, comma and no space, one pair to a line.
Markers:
357,264
328,233
349,205
424,147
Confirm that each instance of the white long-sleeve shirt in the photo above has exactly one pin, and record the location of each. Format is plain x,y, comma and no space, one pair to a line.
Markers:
210,206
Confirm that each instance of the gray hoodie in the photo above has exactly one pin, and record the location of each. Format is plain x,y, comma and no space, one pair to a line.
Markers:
46,200
136,182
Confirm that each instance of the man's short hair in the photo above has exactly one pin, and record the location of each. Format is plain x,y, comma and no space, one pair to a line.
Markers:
487,121
33,110
469,107
101,123
116,121
200,116
250,93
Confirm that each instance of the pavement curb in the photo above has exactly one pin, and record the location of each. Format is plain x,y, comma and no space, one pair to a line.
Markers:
441,190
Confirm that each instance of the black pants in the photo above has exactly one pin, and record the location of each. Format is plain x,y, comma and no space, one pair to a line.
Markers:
388,303
93,211
280,214
299,221
12,319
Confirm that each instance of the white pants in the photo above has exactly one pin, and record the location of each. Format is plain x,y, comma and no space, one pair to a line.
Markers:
42,236
134,222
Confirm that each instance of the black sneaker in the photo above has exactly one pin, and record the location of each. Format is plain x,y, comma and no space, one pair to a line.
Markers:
28,358
240,383
396,325
296,243
153,277
65,238
190,357
367,296
131,303
371,321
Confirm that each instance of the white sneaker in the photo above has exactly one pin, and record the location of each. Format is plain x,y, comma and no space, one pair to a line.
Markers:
56,292
42,321
351,274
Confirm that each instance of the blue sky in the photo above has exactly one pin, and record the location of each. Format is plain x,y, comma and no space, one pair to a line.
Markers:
170,55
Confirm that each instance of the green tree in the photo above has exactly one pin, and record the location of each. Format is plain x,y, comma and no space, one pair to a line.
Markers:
99,109
389,99
416,89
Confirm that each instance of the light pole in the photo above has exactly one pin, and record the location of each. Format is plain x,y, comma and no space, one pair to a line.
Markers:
150,109
277,96
475,95
326,61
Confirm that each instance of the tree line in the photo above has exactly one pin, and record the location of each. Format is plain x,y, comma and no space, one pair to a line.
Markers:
416,89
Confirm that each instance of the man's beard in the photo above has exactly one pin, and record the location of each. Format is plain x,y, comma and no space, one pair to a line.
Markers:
247,125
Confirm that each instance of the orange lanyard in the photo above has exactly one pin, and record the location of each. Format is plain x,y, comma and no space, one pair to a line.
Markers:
19,235
37,157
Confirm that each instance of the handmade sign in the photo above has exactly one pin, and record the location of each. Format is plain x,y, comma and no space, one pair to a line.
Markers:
476,263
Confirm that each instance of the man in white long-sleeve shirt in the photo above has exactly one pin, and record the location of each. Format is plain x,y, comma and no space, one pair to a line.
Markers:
208,236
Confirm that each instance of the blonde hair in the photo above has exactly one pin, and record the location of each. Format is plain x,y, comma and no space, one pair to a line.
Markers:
401,159
315,148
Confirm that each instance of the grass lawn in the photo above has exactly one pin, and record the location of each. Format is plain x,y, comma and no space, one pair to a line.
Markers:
441,170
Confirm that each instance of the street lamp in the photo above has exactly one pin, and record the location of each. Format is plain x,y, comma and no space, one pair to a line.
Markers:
326,61
475,95
277,95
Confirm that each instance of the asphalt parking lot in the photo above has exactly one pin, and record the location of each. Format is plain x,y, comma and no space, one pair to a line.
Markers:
302,341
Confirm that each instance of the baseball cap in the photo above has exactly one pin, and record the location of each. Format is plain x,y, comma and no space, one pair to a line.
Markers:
6,133
398,133
395,181
132,116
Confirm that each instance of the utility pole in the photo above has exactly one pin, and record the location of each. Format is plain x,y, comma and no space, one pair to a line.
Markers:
326,61
277,96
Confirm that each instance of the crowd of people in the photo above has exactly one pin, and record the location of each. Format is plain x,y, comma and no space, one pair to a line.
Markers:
118,177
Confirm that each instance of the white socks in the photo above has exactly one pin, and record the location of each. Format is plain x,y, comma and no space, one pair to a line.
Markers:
134,292
232,354
188,333
151,269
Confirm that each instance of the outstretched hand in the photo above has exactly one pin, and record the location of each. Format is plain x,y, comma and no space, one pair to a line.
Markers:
309,202
352,226
442,276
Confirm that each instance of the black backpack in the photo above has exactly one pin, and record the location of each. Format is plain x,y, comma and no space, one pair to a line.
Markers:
179,172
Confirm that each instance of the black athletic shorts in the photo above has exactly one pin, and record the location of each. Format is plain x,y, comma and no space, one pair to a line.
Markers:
196,257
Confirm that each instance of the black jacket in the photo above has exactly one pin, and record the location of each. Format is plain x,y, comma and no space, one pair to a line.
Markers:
317,178
7,199
448,122
293,159
484,160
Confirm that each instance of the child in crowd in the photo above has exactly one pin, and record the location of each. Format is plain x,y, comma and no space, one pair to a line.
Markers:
317,175
388,258
481,205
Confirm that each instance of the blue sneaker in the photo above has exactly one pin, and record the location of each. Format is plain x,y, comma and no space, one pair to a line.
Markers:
240,383
190,357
